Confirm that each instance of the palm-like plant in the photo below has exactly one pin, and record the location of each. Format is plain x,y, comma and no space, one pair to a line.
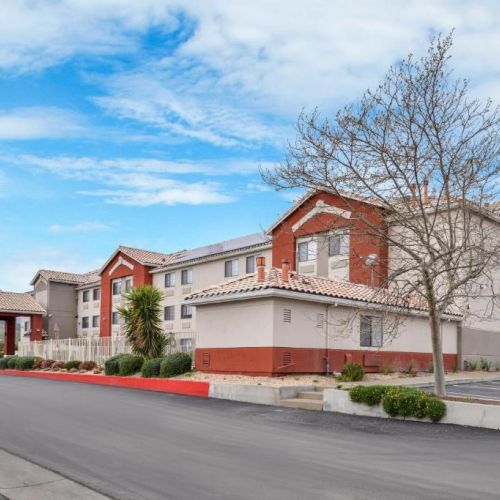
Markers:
142,317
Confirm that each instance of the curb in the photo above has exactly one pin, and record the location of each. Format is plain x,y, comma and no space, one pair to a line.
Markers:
185,387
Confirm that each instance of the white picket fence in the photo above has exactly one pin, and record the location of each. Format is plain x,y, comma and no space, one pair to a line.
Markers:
97,349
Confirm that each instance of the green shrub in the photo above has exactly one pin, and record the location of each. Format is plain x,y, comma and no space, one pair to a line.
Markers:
175,364
472,365
370,395
129,364
436,409
25,362
11,363
4,363
69,365
111,366
352,372
151,367
485,364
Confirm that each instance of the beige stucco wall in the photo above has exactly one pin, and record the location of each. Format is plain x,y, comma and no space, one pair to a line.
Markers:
237,324
248,324
90,308
205,274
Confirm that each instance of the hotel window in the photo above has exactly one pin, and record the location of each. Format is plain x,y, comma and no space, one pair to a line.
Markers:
307,250
117,287
115,318
371,331
169,313
128,285
95,321
250,264
86,296
85,322
186,311
169,280
96,294
338,244
186,276
231,268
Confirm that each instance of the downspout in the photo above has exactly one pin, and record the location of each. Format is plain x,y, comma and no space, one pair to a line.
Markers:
327,361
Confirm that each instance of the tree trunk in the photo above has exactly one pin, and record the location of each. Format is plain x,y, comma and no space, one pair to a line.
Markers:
437,354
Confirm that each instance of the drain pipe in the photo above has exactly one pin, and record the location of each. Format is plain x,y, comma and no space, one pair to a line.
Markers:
327,361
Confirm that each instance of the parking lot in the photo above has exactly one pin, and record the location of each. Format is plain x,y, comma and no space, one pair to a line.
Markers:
478,390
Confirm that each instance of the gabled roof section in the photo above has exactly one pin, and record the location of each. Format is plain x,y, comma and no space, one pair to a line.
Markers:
64,277
254,240
19,303
306,284
144,257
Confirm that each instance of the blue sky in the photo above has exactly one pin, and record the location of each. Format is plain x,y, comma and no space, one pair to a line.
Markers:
144,123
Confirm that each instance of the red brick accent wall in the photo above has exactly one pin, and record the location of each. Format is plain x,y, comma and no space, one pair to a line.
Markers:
362,240
141,276
271,360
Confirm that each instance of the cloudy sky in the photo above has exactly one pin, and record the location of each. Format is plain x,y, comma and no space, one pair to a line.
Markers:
144,122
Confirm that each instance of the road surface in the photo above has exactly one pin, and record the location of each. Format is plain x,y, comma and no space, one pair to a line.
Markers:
134,445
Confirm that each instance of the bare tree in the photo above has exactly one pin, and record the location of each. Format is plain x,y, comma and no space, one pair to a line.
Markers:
426,155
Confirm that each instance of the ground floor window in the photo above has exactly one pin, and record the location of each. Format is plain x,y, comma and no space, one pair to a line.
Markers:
85,322
371,331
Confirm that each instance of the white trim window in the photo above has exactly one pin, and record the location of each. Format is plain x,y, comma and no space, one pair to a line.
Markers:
231,268
96,320
250,264
186,311
338,244
115,318
186,277
96,294
370,331
169,313
170,280
117,287
85,322
128,284
307,251
86,296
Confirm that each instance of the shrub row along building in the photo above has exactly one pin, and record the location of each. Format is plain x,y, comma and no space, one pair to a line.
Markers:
304,297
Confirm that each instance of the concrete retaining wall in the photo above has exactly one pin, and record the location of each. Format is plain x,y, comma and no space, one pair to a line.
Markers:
458,413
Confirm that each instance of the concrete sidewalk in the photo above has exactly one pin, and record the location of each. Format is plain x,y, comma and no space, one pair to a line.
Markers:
22,480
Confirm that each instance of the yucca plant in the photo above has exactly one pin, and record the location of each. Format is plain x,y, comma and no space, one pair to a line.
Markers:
142,318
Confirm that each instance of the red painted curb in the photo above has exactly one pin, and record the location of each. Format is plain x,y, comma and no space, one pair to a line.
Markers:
186,387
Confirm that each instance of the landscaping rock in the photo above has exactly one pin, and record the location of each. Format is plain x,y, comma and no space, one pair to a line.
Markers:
73,370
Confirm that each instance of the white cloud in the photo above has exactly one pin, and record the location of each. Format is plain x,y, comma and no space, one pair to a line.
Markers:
79,227
38,123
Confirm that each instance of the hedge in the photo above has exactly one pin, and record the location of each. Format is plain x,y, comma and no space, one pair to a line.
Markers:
400,401
129,364
151,367
25,362
4,363
111,366
69,365
11,362
175,364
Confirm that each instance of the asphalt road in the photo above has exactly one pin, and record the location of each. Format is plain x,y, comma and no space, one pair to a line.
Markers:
480,390
134,445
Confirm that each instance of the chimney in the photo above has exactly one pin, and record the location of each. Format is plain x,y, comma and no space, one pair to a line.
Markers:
426,192
413,195
261,267
285,270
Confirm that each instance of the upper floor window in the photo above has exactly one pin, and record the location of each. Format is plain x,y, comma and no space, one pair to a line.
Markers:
186,276
117,287
307,250
128,284
338,244
169,280
95,321
85,322
250,264
86,296
231,268
371,331
169,313
96,294
186,311
115,318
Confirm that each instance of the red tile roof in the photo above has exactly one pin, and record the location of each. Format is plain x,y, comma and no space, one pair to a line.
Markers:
11,302
314,285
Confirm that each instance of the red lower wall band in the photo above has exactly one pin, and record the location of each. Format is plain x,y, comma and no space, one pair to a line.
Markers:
272,361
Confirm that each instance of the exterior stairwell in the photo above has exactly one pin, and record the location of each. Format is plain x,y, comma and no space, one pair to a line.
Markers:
307,400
